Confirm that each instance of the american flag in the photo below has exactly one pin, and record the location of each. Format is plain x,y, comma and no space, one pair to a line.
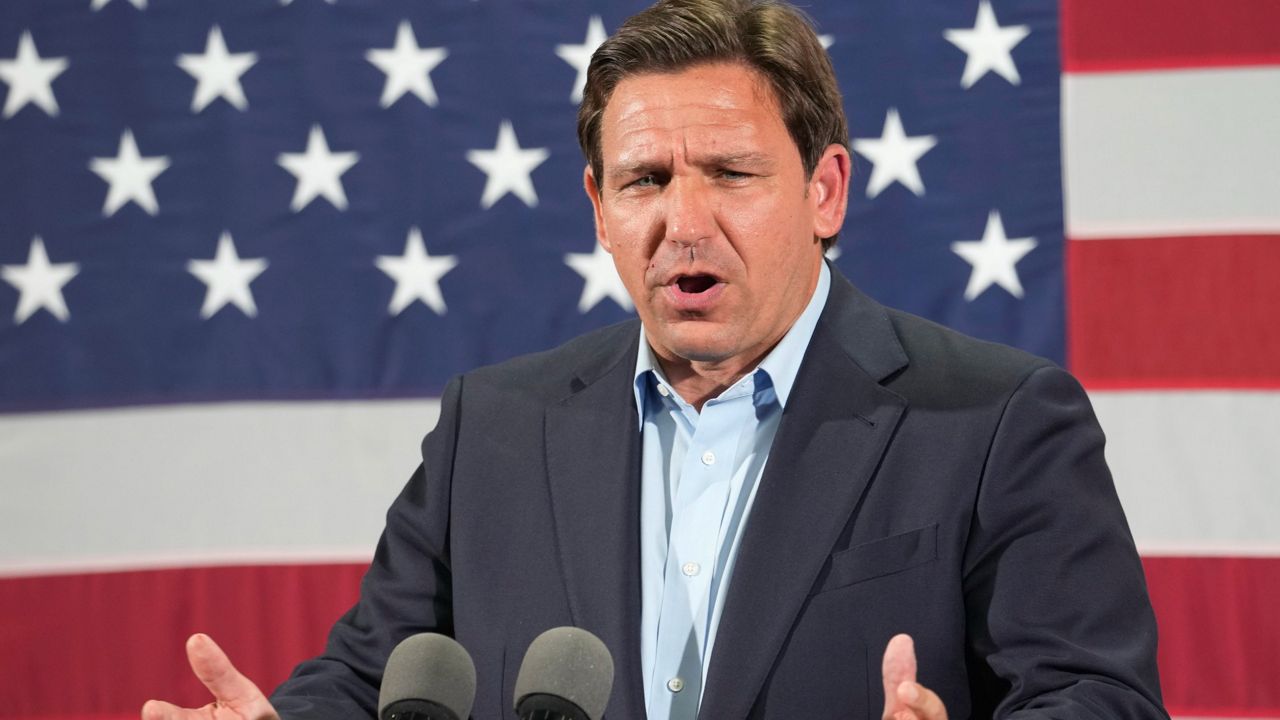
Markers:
244,244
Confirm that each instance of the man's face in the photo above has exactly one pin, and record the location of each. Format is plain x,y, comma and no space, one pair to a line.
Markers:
705,208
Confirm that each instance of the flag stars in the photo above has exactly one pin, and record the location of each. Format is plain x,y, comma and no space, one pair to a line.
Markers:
408,67
579,56
129,176
318,172
30,78
217,73
507,167
39,283
600,279
894,156
227,277
994,259
988,46
99,4
417,275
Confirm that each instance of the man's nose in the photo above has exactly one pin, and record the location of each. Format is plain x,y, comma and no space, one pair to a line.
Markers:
690,214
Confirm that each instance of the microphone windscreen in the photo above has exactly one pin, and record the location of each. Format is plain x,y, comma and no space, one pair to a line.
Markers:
433,668
569,663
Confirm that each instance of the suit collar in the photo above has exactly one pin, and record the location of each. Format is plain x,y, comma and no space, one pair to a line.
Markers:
861,328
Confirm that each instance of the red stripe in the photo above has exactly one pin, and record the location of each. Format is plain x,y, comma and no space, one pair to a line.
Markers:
1175,312
102,644
1106,35
95,647
1219,631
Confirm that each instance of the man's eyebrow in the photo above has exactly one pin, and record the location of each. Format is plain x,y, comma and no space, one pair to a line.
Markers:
736,159
632,169
731,159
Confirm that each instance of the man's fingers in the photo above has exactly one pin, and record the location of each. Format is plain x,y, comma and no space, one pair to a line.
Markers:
215,670
923,702
160,710
899,667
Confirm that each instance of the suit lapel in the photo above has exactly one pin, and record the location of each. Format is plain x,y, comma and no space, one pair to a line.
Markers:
836,426
593,463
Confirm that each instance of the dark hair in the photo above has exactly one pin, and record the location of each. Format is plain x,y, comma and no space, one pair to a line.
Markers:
771,37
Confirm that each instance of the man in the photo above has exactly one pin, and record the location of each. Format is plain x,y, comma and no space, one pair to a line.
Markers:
761,492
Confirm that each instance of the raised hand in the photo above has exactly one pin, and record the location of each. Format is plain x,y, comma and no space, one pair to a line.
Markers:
235,697
904,698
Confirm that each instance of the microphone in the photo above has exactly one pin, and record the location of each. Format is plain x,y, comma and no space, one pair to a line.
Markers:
567,674
428,677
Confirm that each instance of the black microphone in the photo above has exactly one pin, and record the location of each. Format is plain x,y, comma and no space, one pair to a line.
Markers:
567,674
428,677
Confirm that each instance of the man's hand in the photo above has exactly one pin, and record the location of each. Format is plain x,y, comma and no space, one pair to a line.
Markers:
235,697
904,698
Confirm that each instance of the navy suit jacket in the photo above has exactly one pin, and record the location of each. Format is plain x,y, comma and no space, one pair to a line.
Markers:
920,482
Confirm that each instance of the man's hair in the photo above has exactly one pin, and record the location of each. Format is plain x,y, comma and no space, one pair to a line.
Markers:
768,36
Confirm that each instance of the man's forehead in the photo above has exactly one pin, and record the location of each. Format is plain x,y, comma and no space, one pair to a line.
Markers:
712,85
719,104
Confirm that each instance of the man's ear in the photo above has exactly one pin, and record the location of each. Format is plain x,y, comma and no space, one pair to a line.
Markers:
829,190
593,192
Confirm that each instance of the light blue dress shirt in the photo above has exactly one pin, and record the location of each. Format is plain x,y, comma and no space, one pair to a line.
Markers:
699,474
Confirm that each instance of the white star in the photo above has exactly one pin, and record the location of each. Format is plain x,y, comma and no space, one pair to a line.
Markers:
894,156
289,2
600,278
227,278
417,275
140,4
30,78
129,176
319,172
408,67
507,167
993,258
217,73
827,41
39,283
988,46
579,56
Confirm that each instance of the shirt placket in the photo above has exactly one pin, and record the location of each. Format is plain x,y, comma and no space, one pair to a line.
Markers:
700,494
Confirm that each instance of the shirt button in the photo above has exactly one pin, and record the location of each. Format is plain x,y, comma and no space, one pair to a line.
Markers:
708,458
663,391
675,684
691,568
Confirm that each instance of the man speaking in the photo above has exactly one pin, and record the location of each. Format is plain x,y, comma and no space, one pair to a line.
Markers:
770,496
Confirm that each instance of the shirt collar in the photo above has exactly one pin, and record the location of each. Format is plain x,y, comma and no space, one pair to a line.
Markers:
781,365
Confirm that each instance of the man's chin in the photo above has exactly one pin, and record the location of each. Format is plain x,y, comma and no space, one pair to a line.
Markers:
698,344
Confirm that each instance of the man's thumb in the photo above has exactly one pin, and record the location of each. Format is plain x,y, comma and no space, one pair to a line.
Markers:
215,670
899,666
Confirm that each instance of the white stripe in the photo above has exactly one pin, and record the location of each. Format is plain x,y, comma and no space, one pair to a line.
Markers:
163,486
1198,472
1188,152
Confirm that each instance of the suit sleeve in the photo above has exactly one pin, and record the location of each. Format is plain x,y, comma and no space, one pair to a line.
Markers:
1059,621
406,590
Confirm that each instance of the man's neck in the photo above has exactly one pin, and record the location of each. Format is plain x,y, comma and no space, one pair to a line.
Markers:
697,382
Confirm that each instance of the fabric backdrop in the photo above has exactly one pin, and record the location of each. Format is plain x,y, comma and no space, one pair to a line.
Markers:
245,243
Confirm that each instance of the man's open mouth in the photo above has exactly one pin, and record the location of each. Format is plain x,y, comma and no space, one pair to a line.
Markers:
694,284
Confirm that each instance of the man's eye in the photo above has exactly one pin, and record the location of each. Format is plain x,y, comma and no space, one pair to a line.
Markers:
646,181
733,175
